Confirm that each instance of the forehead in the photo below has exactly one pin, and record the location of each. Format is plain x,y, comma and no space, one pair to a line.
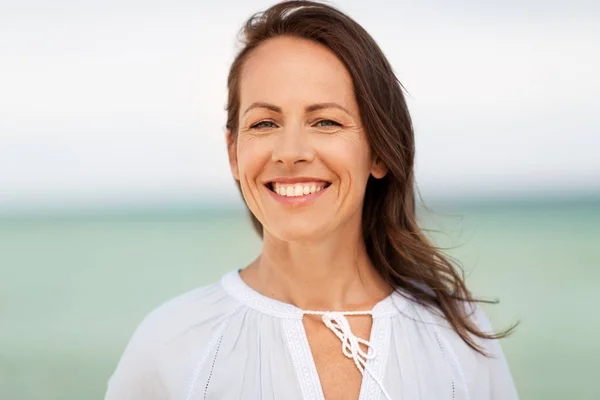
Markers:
289,71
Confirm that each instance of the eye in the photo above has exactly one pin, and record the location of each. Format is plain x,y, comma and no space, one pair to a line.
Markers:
327,123
263,124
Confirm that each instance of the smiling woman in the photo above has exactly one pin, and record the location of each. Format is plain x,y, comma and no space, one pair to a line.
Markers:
300,128
348,298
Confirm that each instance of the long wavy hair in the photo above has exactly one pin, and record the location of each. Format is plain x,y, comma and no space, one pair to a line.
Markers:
396,245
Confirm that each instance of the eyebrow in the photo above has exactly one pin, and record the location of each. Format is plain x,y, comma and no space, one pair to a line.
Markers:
308,109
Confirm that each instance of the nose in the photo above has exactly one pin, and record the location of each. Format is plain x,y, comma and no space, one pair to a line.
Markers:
292,147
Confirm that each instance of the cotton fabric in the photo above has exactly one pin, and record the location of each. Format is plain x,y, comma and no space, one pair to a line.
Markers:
227,341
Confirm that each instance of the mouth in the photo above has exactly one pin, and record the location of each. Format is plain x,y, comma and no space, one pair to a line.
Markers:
299,189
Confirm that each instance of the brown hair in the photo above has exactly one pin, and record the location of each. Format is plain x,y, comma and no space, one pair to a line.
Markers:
396,245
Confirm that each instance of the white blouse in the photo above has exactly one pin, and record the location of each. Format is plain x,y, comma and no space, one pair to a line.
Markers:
227,341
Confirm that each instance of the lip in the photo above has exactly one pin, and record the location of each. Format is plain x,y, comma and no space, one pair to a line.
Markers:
298,179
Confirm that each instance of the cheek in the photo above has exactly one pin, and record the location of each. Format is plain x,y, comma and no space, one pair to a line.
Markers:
252,154
348,158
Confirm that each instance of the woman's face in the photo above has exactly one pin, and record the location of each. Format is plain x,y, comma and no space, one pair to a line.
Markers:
301,155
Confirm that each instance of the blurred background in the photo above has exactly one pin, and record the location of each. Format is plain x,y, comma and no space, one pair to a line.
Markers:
116,195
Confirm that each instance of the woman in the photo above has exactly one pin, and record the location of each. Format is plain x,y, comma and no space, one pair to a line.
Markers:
347,299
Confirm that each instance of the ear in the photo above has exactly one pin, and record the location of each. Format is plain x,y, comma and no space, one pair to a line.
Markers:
232,151
378,168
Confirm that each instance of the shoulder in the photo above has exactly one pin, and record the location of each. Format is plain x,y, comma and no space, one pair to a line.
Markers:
171,334
196,309
435,320
478,375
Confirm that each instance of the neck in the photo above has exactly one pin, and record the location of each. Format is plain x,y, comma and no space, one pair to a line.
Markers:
332,273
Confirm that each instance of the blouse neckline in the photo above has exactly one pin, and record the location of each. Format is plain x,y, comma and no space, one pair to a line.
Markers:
237,288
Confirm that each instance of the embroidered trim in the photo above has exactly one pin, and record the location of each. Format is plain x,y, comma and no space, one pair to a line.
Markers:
449,355
437,338
381,342
235,286
212,368
216,338
455,363
308,377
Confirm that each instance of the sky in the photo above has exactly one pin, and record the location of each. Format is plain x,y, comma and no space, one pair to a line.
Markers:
122,102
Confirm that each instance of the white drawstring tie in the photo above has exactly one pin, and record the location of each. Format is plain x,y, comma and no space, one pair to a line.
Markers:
338,323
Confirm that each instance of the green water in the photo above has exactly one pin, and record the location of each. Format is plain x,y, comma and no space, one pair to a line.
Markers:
73,289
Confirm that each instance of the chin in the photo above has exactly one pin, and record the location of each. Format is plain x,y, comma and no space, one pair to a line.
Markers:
297,231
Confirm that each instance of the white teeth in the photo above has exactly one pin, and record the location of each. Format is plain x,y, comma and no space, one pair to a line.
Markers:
298,189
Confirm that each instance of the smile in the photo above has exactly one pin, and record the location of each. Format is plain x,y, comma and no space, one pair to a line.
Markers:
299,193
297,189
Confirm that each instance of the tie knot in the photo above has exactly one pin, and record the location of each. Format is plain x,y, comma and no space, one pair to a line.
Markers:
337,322
339,325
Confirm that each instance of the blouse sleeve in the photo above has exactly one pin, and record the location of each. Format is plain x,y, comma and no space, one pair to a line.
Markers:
502,386
136,376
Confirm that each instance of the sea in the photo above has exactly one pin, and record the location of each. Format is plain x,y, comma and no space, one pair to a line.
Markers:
73,286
